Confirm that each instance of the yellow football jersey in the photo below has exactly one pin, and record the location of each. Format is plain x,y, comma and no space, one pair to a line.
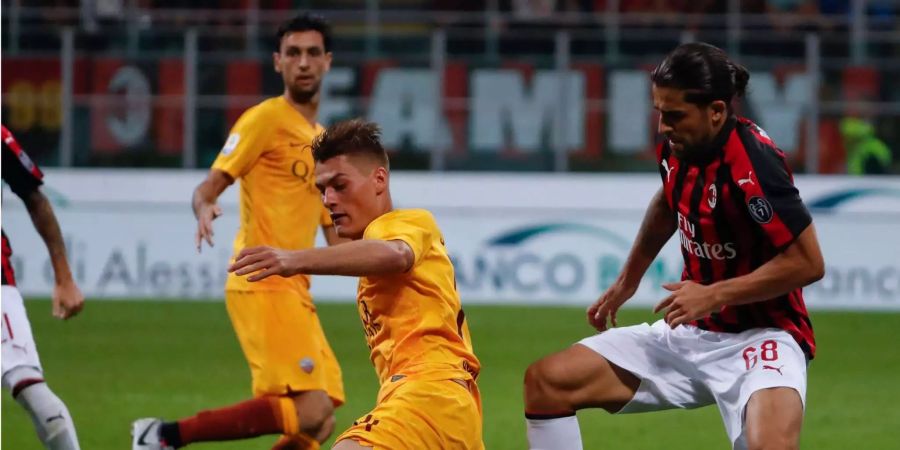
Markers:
414,322
269,151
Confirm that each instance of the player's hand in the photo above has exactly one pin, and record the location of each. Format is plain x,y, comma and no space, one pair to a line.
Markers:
689,301
205,217
608,304
67,300
265,261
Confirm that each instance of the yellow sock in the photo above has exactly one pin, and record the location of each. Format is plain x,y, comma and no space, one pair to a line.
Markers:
290,424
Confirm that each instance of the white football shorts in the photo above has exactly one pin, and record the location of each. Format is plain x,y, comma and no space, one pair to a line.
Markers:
18,343
688,367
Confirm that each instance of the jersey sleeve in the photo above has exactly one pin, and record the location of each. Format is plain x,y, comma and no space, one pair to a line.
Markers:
245,144
773,202
19,171
416,229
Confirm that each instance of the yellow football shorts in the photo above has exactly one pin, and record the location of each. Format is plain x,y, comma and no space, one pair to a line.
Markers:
418,414
283,341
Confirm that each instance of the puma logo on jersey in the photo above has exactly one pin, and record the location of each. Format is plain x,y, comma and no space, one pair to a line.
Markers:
776,369
749,179
665,165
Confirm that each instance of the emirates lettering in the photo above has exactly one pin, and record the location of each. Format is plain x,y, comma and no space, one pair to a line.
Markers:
702,250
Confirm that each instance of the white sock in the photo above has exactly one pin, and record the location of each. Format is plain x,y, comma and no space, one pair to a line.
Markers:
50,416
561,433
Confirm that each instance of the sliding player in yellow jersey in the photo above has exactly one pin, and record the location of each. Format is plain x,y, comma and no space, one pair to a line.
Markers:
407,299
296,377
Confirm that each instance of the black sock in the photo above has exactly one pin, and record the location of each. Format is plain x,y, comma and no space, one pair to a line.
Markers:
170,433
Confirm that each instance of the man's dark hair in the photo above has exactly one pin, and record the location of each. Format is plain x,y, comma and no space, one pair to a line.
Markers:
305,22
704,72
350,137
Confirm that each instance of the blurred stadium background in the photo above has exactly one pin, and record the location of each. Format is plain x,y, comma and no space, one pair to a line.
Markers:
525,125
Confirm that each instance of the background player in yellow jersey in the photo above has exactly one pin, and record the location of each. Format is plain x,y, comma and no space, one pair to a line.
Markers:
407,299
296,378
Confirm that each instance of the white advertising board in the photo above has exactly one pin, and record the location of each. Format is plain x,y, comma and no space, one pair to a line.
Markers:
515,239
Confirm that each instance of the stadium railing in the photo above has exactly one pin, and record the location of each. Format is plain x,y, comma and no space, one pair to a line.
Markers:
454,91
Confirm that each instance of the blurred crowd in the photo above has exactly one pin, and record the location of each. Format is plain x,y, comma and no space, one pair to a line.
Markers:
775,26
488,33
800,12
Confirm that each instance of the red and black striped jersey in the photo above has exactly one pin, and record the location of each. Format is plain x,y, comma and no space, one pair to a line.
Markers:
736,208
23,176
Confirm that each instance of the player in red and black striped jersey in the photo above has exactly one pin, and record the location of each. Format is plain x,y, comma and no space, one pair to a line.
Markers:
735,331
736,208
22,371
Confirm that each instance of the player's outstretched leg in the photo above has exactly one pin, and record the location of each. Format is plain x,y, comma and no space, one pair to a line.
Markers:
558,385
49,414
307,418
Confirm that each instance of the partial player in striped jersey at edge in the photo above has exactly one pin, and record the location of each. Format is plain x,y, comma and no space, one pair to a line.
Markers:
23,375
735,331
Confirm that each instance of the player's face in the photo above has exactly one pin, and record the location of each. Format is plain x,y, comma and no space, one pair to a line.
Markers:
687,126
302,62
350,190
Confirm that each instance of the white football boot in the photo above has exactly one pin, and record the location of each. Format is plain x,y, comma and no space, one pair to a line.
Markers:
145,435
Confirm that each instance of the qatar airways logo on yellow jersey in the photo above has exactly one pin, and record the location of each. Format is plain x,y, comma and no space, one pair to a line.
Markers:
687,233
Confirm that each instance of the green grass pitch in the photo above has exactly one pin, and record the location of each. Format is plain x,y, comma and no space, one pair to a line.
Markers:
124,360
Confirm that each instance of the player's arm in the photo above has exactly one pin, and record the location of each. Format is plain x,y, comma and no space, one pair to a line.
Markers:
248,140
68,299
25,179
800,264
656,229
358,258
797,266
204,203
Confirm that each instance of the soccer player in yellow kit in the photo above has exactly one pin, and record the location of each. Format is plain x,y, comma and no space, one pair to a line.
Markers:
296,378
407,299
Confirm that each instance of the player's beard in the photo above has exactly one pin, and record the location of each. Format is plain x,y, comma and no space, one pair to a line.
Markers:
303,96
694,153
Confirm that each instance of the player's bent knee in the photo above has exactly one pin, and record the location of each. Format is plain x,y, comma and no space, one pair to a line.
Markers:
20,377
577,378
315,413
546,386
535,383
